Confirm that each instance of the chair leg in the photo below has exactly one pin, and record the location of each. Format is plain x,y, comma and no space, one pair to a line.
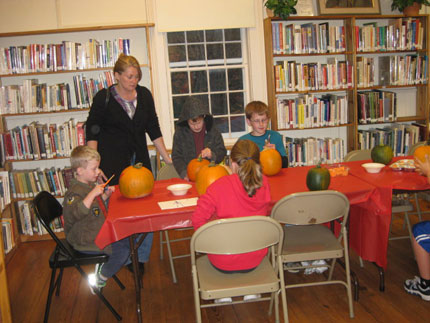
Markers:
417,205
99,294
116,279
361,262
348,282
196,296
161,246
169,253
52,285
58,282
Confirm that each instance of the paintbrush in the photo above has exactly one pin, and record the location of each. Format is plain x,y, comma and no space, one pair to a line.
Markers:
107,182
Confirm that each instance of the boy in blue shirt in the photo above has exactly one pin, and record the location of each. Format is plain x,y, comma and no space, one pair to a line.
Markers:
257,117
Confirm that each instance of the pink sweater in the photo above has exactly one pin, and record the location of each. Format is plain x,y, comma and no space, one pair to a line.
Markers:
227,198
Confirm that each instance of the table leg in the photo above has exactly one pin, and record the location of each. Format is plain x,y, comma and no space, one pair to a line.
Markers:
381,277
137,279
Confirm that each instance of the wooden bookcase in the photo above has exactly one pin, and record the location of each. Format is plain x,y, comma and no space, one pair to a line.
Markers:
138,34
412,99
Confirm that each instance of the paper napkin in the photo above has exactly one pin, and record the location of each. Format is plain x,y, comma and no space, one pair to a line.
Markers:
176,204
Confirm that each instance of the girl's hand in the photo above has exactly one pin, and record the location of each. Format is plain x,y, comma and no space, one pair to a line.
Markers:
206,153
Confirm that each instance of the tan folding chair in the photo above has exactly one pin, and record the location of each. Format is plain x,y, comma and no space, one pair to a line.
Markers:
307,239
233,236
166,172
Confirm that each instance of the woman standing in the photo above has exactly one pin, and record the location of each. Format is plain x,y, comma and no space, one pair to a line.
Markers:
119,119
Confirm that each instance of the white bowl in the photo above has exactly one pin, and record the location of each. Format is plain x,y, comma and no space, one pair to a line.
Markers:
373,167
179,189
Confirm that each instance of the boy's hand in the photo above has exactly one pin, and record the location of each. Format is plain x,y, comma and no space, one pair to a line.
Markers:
423,167
268,145
102,177
206,153
97,191
108,190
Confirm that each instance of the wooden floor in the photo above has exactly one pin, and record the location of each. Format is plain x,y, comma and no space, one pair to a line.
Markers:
164,301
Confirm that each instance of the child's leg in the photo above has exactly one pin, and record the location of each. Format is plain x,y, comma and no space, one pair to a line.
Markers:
120,254
144,250
423,260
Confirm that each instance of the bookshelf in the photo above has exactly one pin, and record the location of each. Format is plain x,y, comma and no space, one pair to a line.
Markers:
324,73
49,78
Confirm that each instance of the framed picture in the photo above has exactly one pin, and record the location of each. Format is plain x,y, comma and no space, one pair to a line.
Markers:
348,7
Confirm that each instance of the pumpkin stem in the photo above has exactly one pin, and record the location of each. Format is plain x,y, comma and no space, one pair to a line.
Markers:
138,165
212,163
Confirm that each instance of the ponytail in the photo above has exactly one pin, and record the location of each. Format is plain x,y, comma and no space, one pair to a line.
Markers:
247,155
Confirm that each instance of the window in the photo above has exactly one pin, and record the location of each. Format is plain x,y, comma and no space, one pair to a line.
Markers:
211,65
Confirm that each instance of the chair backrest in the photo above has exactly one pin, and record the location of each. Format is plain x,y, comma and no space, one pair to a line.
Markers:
355,155
168,171
415,146
47,209
314,207
237,235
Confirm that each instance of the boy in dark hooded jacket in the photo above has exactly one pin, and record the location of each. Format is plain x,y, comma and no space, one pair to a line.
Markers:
195,135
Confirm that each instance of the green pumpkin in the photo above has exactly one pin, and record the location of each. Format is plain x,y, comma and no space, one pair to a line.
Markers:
382,154
318,178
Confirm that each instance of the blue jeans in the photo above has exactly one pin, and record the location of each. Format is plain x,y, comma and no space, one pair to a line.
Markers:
121,254
145,248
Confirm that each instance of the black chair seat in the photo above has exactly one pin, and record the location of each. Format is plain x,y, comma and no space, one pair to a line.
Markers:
64,260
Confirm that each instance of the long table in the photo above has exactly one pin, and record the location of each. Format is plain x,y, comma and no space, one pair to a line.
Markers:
369,218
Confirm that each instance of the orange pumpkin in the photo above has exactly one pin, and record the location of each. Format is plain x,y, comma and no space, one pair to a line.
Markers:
421,152
271,161
207,175
194,167
136,181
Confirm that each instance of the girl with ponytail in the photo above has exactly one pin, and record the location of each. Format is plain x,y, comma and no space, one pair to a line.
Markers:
244,193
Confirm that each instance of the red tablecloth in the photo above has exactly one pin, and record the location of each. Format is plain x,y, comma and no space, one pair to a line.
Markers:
129,216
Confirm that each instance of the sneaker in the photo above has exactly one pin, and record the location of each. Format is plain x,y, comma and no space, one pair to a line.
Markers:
318,270
95,280
413,286
289,266
223,300
251,297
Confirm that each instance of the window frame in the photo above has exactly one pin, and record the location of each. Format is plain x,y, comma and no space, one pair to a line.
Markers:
207,67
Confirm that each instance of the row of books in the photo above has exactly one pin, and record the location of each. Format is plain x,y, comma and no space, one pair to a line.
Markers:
41,141
295,76
7,225
5,196
376,106
30,225
309,111
403,70
27,183
307,38
30,97
311,151
86,88
399,34
400,137
64,56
